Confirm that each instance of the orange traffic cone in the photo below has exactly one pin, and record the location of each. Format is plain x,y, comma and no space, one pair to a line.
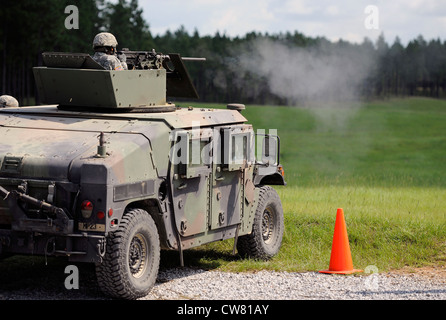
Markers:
341,258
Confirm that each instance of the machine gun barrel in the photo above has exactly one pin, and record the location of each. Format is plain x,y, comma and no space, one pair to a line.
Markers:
3,193
192,59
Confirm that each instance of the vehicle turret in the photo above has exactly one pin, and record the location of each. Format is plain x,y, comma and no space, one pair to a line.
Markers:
74,81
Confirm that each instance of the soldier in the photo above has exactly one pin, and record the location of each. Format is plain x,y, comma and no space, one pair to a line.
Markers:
8,101
104,45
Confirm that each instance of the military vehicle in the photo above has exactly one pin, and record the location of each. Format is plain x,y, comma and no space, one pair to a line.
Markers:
109,172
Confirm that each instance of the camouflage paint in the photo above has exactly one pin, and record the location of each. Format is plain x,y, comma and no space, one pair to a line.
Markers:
55,155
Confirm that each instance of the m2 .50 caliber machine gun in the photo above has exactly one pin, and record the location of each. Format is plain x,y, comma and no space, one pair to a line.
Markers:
177,76
141,60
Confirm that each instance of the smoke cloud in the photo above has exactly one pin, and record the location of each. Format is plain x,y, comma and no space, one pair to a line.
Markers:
319,76
322,72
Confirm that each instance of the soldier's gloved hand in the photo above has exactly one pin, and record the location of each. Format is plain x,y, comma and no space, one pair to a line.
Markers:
122,57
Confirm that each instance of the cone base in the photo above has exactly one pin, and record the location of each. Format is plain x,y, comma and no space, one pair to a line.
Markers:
341,272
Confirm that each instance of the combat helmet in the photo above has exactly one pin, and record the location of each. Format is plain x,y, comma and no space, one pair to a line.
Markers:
104,39
8,101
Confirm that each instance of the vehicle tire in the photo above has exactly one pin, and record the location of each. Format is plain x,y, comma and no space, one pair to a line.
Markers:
267,231
131,262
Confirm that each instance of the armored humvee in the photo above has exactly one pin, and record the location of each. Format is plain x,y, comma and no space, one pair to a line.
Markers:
110,172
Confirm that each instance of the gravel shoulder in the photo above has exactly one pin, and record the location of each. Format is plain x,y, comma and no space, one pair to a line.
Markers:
266,285
39,280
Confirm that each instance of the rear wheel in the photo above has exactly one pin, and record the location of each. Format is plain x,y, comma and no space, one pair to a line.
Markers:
131,261
267,231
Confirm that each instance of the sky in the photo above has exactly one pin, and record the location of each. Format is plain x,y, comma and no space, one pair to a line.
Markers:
350,20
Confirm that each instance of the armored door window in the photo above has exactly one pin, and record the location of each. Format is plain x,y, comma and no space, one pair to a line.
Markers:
192,152
237,148
268,147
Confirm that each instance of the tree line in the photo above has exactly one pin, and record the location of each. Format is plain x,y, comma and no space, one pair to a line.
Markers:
29,27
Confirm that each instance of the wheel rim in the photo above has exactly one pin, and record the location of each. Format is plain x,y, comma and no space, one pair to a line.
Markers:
138,255
268,225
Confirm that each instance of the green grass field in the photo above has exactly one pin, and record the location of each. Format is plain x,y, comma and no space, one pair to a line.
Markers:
383,162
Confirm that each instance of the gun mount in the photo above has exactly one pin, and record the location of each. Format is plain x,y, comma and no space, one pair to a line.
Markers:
75,81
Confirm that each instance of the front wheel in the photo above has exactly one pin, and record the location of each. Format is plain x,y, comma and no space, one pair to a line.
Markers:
267,231
132,257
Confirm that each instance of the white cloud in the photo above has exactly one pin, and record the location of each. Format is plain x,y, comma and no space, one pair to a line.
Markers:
332,10
299,7
239,18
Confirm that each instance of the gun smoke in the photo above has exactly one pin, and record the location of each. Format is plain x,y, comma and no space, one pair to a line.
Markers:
324,72
324,77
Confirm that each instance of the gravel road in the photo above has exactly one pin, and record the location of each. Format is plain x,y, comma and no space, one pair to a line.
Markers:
198,284
266,285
